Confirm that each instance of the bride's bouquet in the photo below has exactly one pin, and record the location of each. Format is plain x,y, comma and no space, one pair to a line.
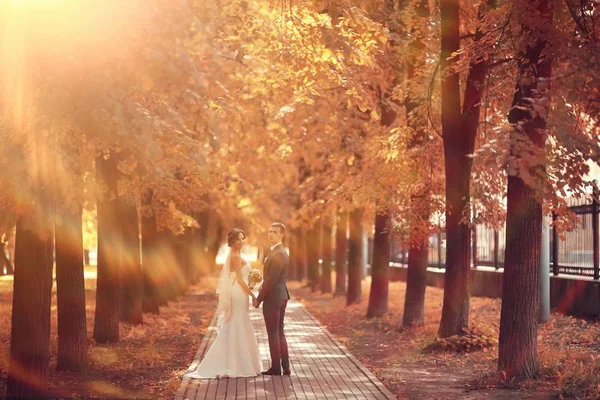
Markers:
254,277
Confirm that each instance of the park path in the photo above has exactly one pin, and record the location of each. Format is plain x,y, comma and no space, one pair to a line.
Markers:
322,368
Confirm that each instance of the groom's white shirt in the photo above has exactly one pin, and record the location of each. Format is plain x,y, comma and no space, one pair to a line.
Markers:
275,245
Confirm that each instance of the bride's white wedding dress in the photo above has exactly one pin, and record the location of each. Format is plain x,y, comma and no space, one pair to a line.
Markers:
234,352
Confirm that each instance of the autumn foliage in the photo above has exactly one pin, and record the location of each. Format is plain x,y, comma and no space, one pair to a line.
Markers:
180,119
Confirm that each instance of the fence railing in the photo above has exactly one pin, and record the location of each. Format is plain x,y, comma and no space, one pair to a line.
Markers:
577,255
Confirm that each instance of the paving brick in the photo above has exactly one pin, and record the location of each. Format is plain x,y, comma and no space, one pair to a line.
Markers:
322,368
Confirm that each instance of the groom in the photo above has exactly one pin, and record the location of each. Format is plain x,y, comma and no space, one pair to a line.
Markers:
274,295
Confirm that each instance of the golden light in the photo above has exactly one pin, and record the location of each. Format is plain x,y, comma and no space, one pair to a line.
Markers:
53,53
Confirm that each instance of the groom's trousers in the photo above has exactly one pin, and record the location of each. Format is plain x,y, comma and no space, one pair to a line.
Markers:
274,313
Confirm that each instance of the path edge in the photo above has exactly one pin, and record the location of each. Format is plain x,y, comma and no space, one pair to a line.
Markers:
207,335
386,392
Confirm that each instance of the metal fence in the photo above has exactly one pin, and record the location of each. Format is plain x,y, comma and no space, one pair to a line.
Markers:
577,255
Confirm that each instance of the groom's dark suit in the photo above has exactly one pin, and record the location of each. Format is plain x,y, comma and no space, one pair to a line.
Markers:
274,296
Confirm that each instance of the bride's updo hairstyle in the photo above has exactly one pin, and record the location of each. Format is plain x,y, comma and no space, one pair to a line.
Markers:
233,235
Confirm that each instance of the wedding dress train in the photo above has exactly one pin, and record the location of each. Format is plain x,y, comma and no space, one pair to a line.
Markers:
234,352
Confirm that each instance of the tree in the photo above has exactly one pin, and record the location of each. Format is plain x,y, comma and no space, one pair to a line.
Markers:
521,279
341,252
70,291
378,297
150,258
419,208
293,248
455,315
355,257
313,256
327,249
301,255
106,321
132,280
5,262
30,329
459,144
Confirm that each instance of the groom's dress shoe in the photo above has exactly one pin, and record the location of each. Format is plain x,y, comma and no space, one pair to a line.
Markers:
271,371
287,372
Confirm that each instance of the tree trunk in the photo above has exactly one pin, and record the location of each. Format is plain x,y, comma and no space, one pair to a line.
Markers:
183,259
190,247
341,252
132,281
199,246
458,144
312,256
165,268
214,241
70,292
521,279
301,256
415,104
455,312
355,257
2,259
30,330
86,257
10,270
106,321
150,259
178,276
378,297
416,284
292,240
327,247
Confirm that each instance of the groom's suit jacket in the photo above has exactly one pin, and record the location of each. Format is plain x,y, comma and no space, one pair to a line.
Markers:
275,273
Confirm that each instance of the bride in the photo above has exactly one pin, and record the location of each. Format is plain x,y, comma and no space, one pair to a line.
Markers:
234,352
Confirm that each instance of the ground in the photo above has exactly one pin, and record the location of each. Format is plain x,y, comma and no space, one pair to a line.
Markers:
568,349
150,360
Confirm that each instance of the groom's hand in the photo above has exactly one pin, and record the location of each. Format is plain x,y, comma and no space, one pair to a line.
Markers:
255,303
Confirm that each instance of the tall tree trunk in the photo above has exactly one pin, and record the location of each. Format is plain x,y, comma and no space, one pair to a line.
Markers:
199,247
70,292
378,295
30,330
341,252
178,279
106,321
10,270
132,281
165,268
312,256
301,256
292,240
380,270
214,240
521,279
458,145
327,248
455,312
150,258
2,258
190,248
415,104
182,254
416,280
355,257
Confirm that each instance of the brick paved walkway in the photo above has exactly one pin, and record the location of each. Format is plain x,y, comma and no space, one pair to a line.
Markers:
322,368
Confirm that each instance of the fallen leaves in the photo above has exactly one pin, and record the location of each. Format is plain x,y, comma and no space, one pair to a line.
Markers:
402,358
148,362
